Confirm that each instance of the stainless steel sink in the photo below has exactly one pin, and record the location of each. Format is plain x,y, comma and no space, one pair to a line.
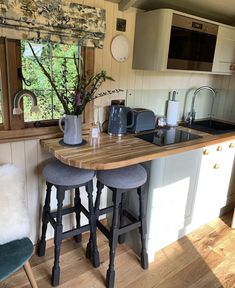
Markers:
211,126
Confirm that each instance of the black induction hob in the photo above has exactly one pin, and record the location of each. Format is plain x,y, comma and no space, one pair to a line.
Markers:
167,136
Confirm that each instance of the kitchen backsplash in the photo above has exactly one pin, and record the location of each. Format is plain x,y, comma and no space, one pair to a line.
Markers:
156,100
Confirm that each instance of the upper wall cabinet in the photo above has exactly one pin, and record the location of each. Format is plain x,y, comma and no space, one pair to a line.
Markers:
224,60
168,40
152,35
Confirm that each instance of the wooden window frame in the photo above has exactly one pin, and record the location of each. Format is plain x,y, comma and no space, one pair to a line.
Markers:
10,55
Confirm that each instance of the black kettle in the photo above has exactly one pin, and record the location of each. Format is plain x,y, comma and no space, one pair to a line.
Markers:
118,120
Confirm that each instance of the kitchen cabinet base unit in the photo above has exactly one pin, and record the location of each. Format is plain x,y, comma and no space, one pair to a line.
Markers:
213,183
186,191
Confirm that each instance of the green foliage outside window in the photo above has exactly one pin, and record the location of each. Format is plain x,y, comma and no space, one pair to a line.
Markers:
58,59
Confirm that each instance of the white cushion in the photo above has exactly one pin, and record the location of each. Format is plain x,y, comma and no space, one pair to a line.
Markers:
14,220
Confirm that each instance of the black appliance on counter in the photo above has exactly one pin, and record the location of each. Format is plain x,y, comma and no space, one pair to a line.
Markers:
144,119
123,119
167,136
118,120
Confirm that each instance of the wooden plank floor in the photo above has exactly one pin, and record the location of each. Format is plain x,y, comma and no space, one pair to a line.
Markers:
203,259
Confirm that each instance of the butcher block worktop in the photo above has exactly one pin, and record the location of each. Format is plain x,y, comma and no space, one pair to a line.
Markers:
115,152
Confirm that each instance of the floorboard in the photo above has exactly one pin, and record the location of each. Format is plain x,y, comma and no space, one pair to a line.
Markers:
203,259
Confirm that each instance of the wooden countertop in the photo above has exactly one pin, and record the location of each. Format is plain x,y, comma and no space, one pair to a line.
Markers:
115,152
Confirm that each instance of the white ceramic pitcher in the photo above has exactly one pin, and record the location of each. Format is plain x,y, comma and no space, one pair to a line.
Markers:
72,129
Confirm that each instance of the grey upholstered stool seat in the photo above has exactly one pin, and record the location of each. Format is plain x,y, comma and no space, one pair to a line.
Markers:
120,181
129,177
58,173
63,178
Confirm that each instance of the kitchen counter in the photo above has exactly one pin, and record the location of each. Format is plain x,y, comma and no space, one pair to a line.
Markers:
184,183
115,152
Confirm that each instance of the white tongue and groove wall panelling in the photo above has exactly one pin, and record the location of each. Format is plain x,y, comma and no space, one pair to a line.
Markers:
156,100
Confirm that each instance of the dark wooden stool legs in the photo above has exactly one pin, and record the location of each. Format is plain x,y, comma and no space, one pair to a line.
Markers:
77,204
58,237
55,218
113,239
142,229
121,238
92,244
119,228
45,220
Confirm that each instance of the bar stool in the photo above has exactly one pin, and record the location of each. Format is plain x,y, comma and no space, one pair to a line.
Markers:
65,177
120,181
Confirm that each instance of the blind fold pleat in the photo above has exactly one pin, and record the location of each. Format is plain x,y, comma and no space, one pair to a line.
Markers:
52,20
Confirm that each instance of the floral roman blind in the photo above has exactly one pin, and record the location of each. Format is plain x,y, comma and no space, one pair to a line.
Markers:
52,20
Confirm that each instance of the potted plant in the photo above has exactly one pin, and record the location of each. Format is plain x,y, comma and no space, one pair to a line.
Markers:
84,91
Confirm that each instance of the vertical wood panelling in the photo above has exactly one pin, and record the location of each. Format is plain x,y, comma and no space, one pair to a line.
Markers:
107,59
5,154
18,158
115,66
129,15
43,157
31,166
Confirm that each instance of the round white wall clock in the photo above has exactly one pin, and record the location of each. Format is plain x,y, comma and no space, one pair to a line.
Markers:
120,48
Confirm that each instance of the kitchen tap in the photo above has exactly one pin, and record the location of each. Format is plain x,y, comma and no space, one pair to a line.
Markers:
191,115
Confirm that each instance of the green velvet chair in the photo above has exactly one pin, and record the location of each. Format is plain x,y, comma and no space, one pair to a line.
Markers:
15,246
14,255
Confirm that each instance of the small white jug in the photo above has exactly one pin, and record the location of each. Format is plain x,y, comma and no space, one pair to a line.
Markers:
72,129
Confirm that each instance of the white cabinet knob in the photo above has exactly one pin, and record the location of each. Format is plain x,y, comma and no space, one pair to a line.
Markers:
219,148
231,145
206,152
216,166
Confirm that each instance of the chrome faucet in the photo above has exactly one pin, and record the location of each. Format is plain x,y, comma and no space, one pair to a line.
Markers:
191,115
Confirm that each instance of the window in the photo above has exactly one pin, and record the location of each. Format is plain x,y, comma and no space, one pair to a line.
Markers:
59,61
19,70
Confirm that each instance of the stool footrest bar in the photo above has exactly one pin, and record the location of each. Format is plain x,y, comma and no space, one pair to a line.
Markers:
129,227
84,211
128,214
74,232
51,220
103,229
65,211
106,210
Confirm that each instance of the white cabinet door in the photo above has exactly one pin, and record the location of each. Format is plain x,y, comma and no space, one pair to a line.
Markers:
152,38
170,198
213,182
224,59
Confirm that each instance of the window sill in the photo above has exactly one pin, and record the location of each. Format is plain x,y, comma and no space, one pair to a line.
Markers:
29,134
34,133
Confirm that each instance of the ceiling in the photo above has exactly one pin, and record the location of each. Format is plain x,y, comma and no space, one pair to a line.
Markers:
218,10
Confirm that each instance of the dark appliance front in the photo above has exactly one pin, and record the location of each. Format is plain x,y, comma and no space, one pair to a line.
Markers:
167,136
192,44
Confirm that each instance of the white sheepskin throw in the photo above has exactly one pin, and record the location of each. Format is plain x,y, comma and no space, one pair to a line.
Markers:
14,220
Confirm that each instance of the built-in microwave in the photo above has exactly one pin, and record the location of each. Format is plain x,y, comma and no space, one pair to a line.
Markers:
192,44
